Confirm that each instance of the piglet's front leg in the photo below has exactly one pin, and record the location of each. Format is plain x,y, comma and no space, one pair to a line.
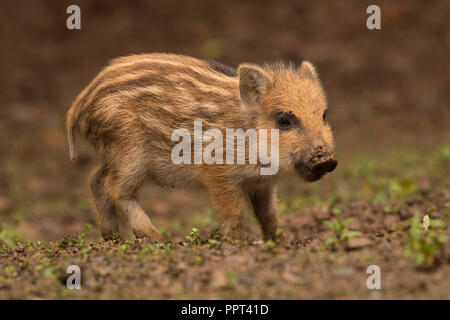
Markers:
264,205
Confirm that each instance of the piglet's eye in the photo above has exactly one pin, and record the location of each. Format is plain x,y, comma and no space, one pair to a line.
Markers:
284,121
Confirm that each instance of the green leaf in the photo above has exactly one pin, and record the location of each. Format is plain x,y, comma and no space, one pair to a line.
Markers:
345,223
349,234
329,224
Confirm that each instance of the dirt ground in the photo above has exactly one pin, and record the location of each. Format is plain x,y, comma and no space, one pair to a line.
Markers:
388,89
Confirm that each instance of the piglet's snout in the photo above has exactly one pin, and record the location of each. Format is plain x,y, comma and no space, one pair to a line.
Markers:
324,167
322,161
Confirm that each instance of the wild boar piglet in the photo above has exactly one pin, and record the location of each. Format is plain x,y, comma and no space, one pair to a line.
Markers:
182,122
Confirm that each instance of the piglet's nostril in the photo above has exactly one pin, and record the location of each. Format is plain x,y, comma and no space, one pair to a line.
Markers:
324,167
332,164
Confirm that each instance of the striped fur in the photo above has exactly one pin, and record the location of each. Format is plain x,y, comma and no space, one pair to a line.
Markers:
130,109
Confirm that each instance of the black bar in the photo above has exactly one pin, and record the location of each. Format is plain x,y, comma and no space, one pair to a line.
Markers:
228,309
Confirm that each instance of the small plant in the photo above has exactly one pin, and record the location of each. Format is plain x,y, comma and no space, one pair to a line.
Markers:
78,242
194,237
270,243
147,249
424,240
150,249
114,237
8,239
217,235
341,233
280,232
125,246
68,243
213,243
123,249
85,233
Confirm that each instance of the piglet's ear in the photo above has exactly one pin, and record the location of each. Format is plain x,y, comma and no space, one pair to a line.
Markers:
254,83
307,70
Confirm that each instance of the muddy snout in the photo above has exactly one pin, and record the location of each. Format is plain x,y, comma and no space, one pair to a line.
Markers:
322,161
324,167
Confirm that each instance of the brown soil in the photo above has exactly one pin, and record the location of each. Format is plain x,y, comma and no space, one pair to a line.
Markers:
298,269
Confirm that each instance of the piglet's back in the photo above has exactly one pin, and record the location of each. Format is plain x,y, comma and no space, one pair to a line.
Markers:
153,93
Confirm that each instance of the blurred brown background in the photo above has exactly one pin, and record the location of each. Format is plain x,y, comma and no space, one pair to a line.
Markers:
387,87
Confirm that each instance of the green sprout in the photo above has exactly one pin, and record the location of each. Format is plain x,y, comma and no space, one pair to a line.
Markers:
424,241
194,237
78,242
341,233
